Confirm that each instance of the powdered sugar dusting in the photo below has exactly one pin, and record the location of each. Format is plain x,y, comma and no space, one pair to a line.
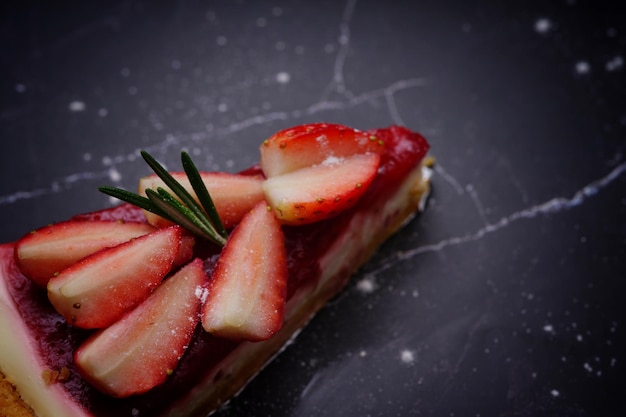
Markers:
331,160
407,356
367,285
543,25
201,293
77,106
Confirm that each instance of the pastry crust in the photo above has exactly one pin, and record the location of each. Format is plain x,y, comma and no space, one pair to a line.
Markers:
11,404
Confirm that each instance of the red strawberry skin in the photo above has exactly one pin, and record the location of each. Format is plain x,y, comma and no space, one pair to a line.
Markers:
311,144
319,192
143,348
233,194
46,251
247,290
97,290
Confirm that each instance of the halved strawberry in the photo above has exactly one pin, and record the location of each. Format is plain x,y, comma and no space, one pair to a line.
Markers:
233,194
321,191
143,348
247,290
185,251
97,290
312,144
48,250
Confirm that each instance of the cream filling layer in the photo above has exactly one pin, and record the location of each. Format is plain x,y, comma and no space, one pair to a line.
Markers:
21,364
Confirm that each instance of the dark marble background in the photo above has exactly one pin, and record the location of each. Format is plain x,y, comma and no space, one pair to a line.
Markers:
503,298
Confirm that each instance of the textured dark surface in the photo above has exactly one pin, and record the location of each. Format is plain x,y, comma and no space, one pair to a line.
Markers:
502,299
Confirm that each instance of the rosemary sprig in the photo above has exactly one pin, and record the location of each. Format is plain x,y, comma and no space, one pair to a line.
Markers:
201,219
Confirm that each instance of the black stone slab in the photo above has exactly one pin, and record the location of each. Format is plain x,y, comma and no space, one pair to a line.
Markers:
502,299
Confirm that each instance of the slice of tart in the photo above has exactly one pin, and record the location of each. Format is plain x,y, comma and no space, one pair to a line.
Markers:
233,266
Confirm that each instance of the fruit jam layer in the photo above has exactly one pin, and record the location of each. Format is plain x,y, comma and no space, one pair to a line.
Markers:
305,245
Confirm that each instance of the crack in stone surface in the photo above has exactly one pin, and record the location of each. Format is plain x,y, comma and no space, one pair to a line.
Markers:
552,206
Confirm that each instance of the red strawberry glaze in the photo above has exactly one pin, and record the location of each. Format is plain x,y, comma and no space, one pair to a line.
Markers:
305,245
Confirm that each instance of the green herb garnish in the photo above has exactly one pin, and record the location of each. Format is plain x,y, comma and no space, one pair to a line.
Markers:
201,219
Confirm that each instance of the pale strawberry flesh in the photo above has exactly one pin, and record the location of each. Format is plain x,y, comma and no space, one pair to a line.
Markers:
141,350
233,194
321,191
48,250
247,289
311,144
99,289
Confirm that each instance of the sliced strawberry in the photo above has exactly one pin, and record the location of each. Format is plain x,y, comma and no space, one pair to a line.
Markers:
185,251
321,191
233,195
311,144
48,250
143,348
246,297
97,290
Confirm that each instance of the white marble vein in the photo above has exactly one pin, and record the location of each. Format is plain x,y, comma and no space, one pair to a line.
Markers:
552,206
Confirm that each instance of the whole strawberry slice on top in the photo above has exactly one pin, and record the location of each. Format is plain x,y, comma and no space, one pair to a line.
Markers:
97,290
320,191
247,290
142,349
46,251
311,144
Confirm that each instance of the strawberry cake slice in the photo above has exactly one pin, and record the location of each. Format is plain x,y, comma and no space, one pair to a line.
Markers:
168,304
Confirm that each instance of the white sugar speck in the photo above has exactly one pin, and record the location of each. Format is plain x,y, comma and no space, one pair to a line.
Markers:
102,112
366,285
222,107
114,174
221,40
87,157
615,63
363,353
543,25
587,367
134,412
555,393
407,356
76,106
201,293
283,77
583,67
548,328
